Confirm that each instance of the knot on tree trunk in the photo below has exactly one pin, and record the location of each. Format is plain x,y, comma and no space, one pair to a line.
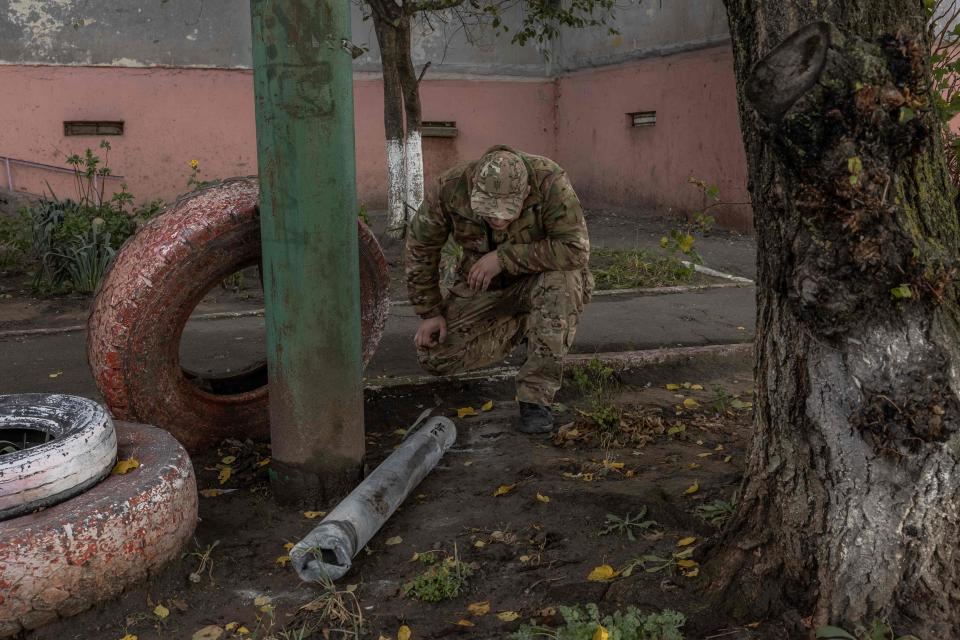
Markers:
850,117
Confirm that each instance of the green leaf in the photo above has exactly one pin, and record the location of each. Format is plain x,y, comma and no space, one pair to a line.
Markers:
685,243
906,114
901,292
833,633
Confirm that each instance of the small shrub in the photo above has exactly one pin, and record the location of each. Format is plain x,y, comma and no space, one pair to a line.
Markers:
586,623
597,383
441,581
626,525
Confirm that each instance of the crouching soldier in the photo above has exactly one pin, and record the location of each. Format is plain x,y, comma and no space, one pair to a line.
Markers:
523,249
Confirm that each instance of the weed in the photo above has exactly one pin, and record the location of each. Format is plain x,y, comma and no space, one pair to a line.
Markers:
586,623
627,269
193,181
441,581
721,399
682,561
627,524
879,630
718,512
363,215
206,562
597,383
14,240
334,609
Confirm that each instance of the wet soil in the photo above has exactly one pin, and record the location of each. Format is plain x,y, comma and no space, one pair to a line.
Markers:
528,555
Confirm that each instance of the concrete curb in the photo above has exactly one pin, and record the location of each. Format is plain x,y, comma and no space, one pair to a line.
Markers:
617,359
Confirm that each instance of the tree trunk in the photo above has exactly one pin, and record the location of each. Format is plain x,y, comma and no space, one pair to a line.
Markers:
411,105
386,21
849,509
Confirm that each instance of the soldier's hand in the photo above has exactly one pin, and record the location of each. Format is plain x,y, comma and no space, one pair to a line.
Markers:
428,329
484,270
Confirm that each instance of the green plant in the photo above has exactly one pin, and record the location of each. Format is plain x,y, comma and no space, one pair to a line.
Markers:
14,240
441,581
363,215
597,383
721,399
193,181
626,525
631,268
879,630
334,609
87,262
586,623
944,36
718,512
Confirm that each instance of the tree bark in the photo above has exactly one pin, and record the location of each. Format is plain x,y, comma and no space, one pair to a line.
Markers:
411,104
387,22
849,508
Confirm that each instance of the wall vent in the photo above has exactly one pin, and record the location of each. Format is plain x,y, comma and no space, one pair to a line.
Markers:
438,129
643,118
92,128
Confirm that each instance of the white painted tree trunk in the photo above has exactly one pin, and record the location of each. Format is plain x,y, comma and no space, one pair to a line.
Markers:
396,188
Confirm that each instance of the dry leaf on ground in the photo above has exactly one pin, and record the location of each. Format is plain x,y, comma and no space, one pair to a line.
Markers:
508,616
463,622
504,489
479,608
229,459
224,475
394,540
463,412
686,542
602,573
692,488
487,406
404,633
601,633
542,498
312,515
282,561
161,611
210,632
690,403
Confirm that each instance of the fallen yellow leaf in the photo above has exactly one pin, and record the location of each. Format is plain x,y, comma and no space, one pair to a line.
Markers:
211,493
686,542
601,633
728,459
609,464
479,544
352,588
231,626
602,573
508,616
394,540
282,561
692,573
129,636
287,546
463,622
400,432
672,387
161,611
56,374
463,412
487,406
479,608
504,489
243,630
403,633
123,466
690,403
229,459
224,474
542,498
705,455
696,387
210,632
313,515
261,601
687,564
524,558
263,462
692,488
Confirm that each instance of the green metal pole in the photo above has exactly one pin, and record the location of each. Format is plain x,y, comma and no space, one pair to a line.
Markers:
304,100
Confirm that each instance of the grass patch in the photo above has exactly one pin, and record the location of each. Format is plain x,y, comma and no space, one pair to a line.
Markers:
586,623
635,268
443,580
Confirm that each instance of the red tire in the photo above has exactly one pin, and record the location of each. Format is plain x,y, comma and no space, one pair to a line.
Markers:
154,284
60,561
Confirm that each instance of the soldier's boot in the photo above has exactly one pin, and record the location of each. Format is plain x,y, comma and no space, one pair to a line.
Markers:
535,418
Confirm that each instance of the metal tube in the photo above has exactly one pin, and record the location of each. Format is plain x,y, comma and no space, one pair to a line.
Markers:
9,175
303,85
329,549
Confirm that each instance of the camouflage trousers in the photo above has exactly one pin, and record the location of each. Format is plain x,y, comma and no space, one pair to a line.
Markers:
483,329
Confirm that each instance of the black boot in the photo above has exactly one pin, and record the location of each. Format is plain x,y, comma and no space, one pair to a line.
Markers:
535,418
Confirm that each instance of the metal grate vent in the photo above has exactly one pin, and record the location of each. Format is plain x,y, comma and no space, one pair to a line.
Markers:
643,118
92,128
439,129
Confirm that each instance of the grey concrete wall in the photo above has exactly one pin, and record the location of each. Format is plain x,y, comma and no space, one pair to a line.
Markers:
647,28
216,33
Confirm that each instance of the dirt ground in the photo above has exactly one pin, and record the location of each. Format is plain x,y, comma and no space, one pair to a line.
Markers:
674,450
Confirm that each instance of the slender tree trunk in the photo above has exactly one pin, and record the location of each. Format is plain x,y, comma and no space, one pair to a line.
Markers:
849,508
411,104
386,20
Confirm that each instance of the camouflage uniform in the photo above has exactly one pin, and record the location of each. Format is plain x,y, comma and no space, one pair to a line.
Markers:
538,296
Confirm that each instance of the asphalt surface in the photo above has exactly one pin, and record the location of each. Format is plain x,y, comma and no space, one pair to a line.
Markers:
57,363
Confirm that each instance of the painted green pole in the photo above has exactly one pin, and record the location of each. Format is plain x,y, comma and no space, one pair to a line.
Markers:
305,142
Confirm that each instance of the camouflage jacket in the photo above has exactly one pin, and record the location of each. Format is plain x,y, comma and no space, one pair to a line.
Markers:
549,235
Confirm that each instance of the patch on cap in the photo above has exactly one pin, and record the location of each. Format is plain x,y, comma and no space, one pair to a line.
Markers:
500,186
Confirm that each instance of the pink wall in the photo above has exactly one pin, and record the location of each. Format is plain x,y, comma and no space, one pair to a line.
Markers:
697,134
175,115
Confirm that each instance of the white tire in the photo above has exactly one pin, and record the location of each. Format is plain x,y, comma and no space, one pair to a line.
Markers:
82,451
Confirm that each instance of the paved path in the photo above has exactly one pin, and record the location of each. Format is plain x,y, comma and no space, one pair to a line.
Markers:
610,323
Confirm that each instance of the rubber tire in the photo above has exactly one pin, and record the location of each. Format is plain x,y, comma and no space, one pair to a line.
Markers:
60,561
157,279
81,454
